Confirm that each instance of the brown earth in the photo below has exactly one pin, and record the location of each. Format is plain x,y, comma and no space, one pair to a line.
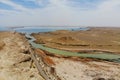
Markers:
44,56
94,39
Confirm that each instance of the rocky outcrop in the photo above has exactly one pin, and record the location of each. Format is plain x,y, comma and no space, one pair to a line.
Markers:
47,65
15,59
67,68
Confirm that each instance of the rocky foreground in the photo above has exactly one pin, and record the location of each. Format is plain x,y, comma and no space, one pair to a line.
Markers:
15,59
16,63
68,68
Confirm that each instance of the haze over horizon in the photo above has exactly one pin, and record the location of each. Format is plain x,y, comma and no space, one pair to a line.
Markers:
60,12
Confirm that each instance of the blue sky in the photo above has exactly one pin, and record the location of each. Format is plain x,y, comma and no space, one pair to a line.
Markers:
60,12
25,3
5,6
43,3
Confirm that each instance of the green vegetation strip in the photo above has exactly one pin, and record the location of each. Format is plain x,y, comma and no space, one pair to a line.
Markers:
106,56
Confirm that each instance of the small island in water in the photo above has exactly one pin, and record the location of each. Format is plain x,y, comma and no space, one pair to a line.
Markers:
91,53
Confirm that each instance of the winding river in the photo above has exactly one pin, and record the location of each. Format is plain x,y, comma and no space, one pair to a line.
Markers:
28,30
103,56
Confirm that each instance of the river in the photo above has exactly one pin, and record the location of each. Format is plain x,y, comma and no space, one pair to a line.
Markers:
29,30
103,56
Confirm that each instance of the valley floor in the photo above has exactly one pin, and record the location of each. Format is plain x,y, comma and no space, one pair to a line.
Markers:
16,63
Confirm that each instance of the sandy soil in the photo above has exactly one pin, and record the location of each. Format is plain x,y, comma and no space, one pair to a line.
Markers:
15,59
77,70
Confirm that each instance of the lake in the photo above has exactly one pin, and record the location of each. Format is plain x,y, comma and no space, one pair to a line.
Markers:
40,29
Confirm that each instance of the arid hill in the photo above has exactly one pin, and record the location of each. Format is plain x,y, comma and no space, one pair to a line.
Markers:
104,39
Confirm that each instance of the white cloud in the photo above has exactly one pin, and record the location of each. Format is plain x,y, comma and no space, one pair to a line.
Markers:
8,12
59,12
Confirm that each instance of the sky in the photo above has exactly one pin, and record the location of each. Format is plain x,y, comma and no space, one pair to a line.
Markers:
60,13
